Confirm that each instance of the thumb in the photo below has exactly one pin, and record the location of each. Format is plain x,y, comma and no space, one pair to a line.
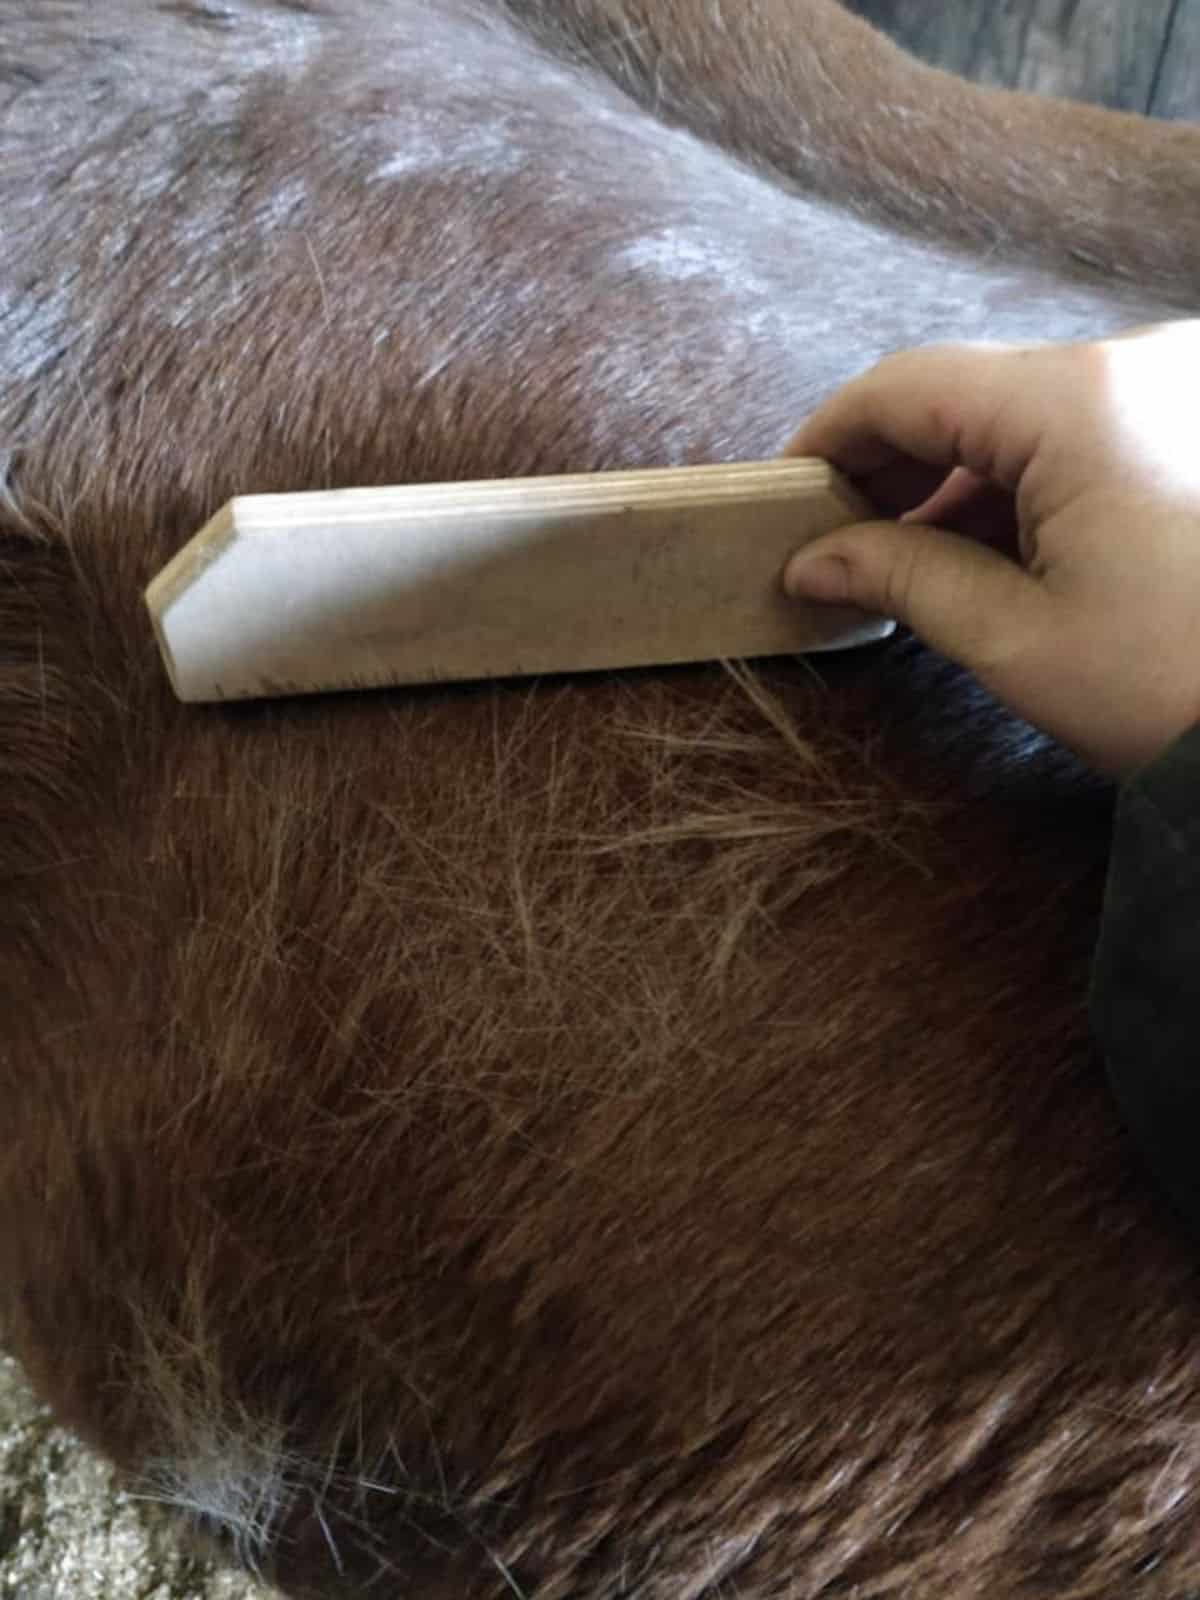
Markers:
966,600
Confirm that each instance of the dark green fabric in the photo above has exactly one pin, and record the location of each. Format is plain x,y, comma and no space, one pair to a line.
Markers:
1145,993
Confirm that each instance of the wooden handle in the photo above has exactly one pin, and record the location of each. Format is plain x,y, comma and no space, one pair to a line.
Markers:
305,593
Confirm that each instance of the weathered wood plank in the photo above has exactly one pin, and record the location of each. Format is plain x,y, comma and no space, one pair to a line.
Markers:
1108,51
443,582
1177,89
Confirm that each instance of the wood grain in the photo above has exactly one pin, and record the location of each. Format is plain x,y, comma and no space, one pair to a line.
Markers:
1138,56
1177,85
359,588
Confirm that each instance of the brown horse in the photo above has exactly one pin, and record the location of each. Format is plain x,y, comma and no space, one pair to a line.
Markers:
623,1136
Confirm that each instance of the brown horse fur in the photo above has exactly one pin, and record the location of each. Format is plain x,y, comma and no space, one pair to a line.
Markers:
626,1136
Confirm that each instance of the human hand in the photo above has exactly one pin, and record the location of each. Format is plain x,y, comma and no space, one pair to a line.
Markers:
1066,570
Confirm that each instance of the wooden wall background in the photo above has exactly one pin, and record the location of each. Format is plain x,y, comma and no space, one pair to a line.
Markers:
1136,55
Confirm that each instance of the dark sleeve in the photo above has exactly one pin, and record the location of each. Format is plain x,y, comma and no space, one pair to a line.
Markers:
1145,992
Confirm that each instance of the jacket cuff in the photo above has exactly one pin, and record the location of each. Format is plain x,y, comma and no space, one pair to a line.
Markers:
1145,990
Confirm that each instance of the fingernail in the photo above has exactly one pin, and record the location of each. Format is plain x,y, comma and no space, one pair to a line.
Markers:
817,578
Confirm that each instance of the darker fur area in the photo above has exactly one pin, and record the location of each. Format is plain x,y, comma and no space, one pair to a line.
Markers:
633,1135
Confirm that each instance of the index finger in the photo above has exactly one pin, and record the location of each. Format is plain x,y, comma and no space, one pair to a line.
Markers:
943,405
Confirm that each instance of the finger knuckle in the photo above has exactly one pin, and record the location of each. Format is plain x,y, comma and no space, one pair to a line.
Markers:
902,576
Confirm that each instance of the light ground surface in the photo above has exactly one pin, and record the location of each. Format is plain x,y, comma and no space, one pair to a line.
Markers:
67,1532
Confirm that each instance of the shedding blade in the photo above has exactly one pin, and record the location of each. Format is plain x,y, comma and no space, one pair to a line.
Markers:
359,588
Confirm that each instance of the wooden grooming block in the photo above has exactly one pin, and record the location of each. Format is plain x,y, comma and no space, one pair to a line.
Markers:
304,593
